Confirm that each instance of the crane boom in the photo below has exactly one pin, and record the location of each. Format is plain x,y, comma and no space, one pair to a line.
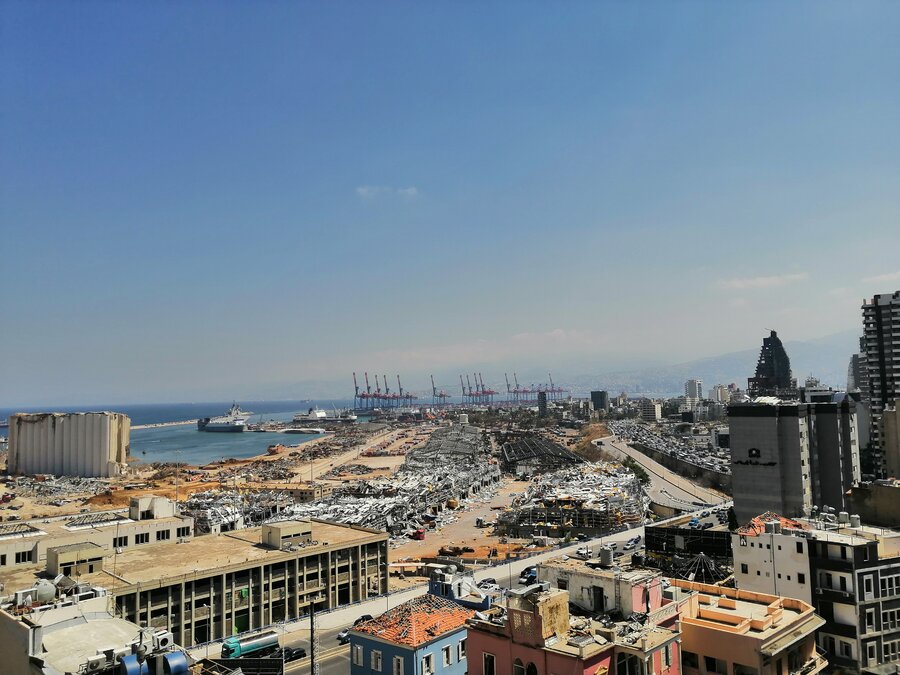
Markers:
433,388
368,386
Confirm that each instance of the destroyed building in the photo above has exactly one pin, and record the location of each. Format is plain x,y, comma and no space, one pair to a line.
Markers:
532,454
453,465
592,499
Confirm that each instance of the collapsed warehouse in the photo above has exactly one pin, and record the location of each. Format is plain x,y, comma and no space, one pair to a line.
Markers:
592,499
453,465
531,454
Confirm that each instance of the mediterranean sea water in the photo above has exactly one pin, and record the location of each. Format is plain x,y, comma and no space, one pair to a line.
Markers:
184,443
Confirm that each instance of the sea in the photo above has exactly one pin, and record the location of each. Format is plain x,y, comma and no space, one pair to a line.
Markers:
184,443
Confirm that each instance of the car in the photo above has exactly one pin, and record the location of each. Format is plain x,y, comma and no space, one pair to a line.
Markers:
489,581
364,617
343,637
630,545
614,545
704,514
293,653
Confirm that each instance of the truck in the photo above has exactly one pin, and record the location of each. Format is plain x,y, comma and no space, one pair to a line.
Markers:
256,645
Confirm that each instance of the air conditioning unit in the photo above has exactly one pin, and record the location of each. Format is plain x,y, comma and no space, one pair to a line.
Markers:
162,639
95,664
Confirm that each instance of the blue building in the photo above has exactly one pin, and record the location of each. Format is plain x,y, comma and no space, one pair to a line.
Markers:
424,636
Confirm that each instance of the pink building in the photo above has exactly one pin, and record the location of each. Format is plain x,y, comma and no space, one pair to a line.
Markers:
534,634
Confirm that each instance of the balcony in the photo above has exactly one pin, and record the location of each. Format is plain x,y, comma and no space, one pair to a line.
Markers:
835,595
814,665
833,564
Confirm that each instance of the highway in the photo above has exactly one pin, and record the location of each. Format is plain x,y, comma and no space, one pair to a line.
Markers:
666,487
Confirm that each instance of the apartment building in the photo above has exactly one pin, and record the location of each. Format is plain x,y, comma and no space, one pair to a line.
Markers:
423,636
850,572
726,631
651,411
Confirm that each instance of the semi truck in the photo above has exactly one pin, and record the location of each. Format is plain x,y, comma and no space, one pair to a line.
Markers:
256,645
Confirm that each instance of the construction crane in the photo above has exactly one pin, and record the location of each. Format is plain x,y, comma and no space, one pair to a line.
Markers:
508,389
471,393
438,397
463,387
355,392
368,389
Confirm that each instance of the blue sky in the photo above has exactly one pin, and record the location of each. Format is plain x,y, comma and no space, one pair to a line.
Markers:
216,200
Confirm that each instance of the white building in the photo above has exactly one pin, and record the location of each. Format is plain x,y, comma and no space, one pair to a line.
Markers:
69,444
693,389
771,557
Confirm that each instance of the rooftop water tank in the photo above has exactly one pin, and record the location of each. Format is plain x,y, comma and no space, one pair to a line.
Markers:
43,591
855,520
843,518
606,556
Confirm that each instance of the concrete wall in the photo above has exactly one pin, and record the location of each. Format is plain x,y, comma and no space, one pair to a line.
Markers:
876,504
76,444
701,474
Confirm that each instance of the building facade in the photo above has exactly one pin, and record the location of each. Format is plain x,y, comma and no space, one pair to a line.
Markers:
881,336
850,572
423,636
651,411
600,400
214,586
693,389
91,444
787,457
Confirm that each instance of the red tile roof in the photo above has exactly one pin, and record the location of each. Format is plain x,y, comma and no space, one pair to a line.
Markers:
757,525
417,621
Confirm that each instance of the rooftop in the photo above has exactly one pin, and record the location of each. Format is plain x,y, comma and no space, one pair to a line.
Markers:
623,571
152,565
757,525
62,526
417,621
742,612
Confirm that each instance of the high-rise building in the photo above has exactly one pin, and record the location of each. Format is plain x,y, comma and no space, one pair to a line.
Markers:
773,370
787,457
693,389
600,400
651,411
881,336
542,404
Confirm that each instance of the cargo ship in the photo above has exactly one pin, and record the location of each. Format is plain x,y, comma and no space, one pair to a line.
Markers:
319,415
235,420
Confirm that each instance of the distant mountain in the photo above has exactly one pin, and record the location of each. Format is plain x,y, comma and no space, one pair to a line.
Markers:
825,358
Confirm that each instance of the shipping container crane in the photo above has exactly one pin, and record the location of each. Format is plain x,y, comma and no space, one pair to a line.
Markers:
438,397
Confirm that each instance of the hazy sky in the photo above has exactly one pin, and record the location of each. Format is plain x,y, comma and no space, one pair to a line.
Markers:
209,199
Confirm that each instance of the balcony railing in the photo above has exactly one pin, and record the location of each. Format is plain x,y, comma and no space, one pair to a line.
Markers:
814,665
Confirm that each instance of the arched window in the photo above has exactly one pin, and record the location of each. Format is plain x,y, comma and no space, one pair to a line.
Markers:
518,667
531,669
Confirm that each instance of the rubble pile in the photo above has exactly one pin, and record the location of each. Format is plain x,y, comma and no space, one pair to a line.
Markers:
454,465
217,511
591,499
47,487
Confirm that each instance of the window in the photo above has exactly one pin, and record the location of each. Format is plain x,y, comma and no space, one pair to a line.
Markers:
870,654
461,650
23,556
518,667
183,531
799,547
714,665
745,569
445,653
120,542
667,655
801,578
357,655
870,619
846,650
743,540
562,584
769,546
375,660
489,663
690,659
162,535
398,666
428,664
142,538
843,552
531,669
757,573
2,560
867,585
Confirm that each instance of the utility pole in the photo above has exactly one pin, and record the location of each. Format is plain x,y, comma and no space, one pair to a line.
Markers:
313,641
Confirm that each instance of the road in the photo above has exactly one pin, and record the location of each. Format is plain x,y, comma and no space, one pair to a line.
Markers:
666,487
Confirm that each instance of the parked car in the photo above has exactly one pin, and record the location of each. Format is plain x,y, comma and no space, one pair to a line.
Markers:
343,637
364,617
489,581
